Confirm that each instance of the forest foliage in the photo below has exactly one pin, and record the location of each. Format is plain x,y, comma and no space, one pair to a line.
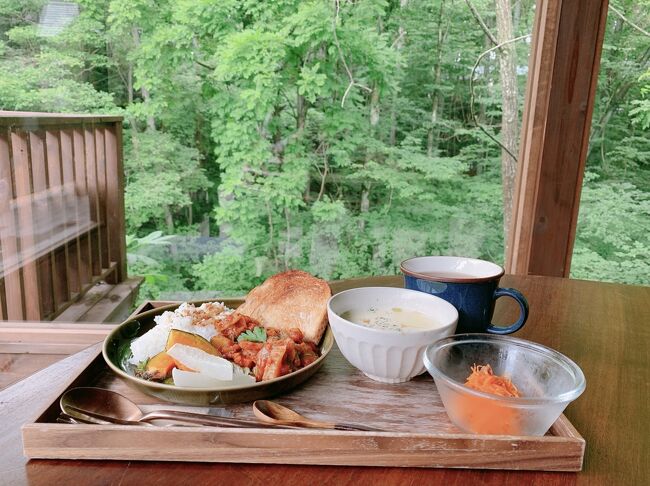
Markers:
335,136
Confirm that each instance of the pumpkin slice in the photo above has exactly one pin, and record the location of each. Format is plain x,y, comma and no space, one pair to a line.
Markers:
160,366
176,336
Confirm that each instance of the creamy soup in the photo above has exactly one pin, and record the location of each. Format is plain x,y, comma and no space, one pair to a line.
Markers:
391,319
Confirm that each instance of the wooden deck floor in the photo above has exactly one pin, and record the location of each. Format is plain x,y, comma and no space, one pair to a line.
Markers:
27,347
104,303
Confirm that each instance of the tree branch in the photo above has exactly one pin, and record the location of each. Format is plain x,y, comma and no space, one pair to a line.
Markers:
625,19
271,243
259,172
279,146
211,68
614,100
342,57
399,37
326,169
471,91
483,25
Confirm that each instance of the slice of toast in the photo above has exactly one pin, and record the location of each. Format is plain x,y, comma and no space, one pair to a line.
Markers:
290,299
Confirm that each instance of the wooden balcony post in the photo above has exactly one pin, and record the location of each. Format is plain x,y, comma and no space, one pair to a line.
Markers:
115,199
13,294
563,72
20,151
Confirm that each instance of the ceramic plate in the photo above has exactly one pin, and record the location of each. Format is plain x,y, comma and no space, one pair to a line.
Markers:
116,351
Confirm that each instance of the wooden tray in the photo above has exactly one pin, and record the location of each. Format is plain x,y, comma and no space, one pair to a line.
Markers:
420,433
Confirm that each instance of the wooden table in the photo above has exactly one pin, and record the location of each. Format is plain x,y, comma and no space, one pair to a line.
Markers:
27,347
603,327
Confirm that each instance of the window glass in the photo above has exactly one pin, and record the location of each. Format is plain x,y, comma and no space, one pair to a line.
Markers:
612,238
339,137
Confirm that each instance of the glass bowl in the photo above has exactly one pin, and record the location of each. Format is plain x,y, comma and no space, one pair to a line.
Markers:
547,381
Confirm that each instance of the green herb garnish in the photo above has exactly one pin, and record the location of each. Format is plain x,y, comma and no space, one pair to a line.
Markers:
140,370
257,335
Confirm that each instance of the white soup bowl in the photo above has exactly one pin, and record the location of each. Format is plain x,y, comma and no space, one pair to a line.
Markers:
386,355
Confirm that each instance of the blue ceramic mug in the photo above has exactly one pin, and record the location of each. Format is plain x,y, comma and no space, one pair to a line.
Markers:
470,285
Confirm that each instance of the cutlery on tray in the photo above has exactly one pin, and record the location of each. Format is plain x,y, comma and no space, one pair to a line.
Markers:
100,406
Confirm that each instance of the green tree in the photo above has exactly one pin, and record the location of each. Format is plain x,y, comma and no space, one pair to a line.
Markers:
339,137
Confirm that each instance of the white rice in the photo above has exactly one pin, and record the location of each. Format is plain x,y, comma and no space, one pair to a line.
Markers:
197,320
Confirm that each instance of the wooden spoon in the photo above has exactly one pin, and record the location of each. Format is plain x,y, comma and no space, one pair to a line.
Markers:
276,414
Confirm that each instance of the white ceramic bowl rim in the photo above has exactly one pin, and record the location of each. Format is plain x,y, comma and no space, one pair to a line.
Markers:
423,295
419,267
572,367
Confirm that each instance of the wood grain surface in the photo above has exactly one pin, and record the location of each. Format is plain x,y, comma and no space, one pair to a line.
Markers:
27,347
50,338
418,431
16,366
563,72
603,327
58,174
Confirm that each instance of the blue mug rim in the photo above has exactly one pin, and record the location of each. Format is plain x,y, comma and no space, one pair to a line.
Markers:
433,278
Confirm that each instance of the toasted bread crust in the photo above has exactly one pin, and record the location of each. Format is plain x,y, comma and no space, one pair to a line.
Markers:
290,299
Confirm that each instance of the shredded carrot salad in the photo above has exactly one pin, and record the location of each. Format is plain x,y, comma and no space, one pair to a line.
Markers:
483,415
483,379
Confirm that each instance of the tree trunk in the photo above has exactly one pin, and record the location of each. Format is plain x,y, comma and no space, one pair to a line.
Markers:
509,116
392,136
301,119
169,220
287,244
129,97
399,45
301,111
129,84
364,205
151,123
374,108
225,198
488,69
204,227
435,95
365,200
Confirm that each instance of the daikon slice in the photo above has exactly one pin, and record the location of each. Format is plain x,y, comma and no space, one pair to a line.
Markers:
213,366
192,379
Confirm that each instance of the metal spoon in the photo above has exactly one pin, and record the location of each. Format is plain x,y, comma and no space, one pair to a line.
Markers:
106,406
64,418
274,413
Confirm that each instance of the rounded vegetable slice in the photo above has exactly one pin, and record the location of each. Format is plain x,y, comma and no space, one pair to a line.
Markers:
202,362
200,380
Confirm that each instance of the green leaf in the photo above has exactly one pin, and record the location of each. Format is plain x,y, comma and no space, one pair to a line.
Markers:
141,365
257,335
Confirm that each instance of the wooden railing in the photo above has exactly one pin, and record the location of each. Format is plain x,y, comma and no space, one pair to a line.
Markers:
61,210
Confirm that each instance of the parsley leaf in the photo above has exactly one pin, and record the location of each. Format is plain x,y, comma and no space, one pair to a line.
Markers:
257,335
140,369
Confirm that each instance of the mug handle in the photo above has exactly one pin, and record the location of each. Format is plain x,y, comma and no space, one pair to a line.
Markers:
523,308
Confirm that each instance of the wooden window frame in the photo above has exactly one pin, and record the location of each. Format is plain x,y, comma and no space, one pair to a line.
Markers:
560,94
